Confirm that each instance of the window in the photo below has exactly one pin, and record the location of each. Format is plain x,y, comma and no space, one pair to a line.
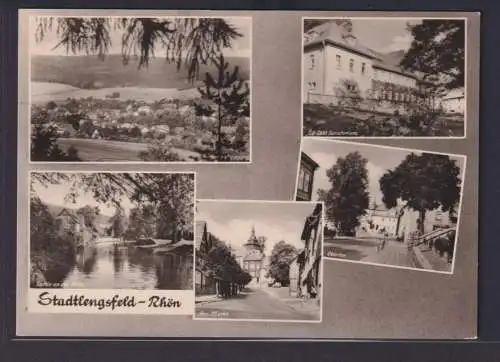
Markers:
375,74
305,179
389,95
351,65
396,96
301,179
338,61
307,182
311,85
311,62
363,68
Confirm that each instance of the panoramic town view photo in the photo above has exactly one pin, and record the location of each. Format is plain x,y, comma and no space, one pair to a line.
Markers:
258,260
112,230
140,89
384,77
384,205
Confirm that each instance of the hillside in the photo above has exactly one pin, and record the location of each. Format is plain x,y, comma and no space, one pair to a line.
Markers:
89,72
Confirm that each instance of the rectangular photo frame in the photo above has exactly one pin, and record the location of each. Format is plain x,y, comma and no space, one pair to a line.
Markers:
239,277
375,198
111,242
376,77
114,96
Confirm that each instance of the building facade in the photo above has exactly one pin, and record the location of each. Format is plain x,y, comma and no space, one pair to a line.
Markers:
204,281
309,260
70,222
254,256
454,101
378,221
434,219
305,181
336,64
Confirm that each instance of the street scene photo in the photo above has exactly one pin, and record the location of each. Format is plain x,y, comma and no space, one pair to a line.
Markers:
111,89
384,77
258,260
384,205
112,230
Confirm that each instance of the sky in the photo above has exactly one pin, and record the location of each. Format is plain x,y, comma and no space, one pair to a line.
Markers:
232,221
380,159
384,35
241,46
56,194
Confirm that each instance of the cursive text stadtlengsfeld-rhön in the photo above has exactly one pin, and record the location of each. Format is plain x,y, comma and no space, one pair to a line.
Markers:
117,301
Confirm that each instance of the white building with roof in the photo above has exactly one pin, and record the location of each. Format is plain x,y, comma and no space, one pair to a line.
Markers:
454,101
333,54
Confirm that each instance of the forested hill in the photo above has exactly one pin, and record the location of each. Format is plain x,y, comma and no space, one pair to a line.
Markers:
89,72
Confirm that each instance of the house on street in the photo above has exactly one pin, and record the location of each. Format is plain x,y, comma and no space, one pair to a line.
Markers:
305,181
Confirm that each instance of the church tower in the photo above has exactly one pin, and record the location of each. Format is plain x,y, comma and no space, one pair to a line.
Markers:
252,262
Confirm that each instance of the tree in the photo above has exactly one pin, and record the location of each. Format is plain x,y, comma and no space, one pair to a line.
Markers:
347,199
348,93
117,222
226,97
279,264
51,255
438,51
160,151
423,182
184,41
44,146
174,191
89,215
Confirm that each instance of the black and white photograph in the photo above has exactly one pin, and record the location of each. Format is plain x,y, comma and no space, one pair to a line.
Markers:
384,205
258,260
384,77
101,230
140,89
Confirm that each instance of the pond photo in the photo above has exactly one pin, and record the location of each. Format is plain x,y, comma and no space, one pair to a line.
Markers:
112,230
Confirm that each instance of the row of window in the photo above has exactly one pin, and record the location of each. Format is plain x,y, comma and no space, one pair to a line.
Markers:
338,60
392,77
395,96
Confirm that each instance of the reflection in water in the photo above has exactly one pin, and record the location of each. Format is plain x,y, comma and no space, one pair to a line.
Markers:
125,267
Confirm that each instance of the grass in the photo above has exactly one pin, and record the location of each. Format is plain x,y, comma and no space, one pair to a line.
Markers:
322,120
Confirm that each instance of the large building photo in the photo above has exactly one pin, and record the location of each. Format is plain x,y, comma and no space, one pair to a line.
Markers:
376,77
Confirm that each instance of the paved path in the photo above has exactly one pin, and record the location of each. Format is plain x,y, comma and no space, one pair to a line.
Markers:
394,253
350,248
254,303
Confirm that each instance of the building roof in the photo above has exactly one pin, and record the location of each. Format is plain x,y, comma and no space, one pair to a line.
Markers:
252,240
308,159
334,34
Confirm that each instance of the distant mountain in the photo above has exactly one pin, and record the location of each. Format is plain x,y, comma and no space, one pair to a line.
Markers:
89,72
395,57
392,58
